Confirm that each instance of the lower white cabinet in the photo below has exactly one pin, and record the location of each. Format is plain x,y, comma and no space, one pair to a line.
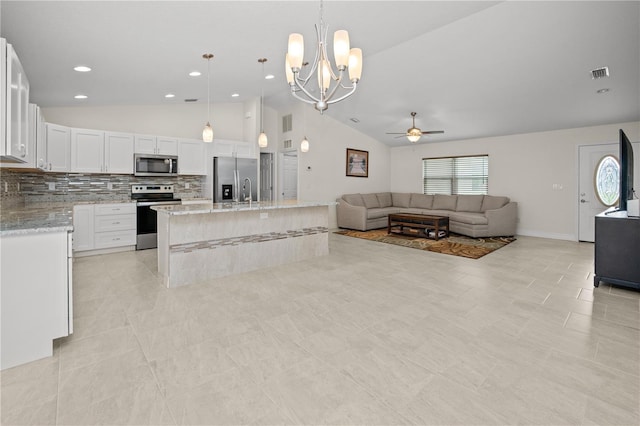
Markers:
37,304
104,226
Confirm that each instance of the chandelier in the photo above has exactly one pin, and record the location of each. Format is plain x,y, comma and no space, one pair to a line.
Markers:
329,81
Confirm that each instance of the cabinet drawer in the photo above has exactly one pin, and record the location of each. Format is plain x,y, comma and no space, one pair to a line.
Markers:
120,208
115,222
115,239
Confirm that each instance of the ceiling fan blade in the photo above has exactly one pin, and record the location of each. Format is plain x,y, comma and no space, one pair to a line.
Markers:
396,133
432,132
402,136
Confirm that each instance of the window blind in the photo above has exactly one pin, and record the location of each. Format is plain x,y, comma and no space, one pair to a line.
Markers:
456,175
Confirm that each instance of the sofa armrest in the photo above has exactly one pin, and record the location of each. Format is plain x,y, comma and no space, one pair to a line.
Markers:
503,221
350,216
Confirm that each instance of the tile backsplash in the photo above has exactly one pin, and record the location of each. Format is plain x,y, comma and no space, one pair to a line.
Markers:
33,187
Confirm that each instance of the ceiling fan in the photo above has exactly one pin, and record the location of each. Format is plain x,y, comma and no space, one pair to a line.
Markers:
413,133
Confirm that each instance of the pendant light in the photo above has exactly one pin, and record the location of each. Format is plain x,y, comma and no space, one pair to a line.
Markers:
207,133
262,139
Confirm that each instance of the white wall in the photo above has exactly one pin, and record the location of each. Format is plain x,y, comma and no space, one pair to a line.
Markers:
322,170
177,120
523,167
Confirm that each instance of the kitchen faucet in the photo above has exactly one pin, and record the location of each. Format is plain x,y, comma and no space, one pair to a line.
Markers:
244,186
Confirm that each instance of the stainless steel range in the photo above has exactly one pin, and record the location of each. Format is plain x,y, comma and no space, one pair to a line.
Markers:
147,219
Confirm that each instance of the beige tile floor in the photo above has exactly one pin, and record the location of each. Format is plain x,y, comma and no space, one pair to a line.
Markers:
371,334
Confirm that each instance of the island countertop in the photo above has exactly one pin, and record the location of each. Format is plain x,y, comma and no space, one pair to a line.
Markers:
206,208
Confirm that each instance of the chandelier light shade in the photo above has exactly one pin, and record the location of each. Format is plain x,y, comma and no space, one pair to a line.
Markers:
207,132
332,87
262,139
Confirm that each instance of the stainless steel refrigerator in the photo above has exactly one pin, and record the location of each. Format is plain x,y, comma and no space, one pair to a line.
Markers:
234,179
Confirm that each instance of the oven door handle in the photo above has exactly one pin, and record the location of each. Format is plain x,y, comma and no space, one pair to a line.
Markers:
157,203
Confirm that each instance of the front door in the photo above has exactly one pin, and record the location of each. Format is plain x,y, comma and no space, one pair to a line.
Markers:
589,204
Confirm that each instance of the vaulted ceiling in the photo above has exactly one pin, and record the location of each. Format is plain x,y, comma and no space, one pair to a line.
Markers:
473,69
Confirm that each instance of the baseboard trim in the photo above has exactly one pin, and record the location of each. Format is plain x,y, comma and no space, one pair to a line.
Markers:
550,235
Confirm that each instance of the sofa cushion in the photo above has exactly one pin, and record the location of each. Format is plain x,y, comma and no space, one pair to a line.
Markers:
384,199
401,199
469,203
353,199
378,212
491,202
469,218
370,201
421,201
444,202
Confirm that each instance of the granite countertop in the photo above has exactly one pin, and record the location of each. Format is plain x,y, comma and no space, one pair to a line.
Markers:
236,207
33,218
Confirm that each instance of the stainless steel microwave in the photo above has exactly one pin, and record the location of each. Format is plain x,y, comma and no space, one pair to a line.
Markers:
155,165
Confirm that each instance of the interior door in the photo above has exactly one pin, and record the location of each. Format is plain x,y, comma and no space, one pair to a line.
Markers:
589,204
290,176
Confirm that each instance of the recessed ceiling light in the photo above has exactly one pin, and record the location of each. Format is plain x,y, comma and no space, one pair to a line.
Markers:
269,77
355,120
81,96
195,73
82,68
605,90
235,95
169,95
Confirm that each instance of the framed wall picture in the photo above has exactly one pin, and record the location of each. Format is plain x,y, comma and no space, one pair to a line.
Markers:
357,163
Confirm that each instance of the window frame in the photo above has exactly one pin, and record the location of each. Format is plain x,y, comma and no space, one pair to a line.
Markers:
454,177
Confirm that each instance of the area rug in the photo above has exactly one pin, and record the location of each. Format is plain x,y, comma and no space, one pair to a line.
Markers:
456,245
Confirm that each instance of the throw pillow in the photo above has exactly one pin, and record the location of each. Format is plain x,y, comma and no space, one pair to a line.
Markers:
421,201
384,199
400,199
370,201
354,199
444,202
491,202
469,203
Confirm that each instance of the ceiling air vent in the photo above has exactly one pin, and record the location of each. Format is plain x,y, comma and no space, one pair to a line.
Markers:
191,100
600,73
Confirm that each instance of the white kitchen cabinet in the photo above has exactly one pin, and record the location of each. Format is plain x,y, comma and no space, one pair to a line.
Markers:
36,300
104,226
15,110
87,151
58,150
83,234
230,148
96,151
156,145
118,153
36,136
192,157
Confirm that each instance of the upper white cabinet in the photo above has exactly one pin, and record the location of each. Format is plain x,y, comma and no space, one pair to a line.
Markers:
14,136
87,151
58,141
229,148
95,151
156,145
192,157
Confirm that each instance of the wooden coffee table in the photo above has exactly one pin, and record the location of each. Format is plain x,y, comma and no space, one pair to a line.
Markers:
418,225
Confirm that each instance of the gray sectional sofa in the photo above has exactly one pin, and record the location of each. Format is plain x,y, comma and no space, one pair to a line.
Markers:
471,215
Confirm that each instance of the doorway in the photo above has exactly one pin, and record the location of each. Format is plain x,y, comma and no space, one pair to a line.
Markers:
589,204
266,176
289,175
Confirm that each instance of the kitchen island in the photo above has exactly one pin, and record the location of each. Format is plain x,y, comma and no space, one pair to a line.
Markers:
203,241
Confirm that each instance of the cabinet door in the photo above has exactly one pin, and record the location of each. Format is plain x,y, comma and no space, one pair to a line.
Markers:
191,157
87,151
41,142
167,146
118,151
17,108
245,149
58,148
223,148
145,144
83,223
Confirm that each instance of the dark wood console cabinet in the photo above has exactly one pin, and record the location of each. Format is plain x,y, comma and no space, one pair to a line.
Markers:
617,250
